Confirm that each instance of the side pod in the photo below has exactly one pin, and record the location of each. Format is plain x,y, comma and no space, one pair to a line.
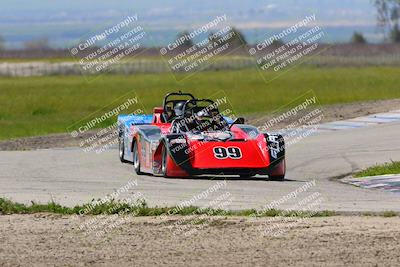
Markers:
276,148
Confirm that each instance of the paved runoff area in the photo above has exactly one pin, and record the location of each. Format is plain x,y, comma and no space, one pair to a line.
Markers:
71,176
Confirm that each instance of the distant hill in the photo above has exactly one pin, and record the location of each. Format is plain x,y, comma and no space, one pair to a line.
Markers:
64,23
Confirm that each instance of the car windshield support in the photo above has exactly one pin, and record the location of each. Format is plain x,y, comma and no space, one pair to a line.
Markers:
200,115
170,101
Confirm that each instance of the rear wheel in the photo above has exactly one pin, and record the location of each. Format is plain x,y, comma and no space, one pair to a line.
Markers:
136,158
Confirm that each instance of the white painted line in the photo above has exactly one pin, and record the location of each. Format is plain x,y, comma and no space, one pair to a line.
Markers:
349,123
362,120
373,119
338,126
387,114
375,185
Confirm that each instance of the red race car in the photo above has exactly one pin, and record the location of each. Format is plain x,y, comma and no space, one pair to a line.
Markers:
188,136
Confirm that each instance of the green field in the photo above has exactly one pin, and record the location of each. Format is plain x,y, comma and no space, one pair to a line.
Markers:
387,168
41,105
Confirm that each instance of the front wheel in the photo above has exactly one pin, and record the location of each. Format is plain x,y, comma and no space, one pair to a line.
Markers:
121,148
164,158
247,175
136,158
278,173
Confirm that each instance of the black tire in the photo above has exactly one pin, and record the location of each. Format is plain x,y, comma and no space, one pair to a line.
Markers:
121,148
136,159
277,178
164,155
247,175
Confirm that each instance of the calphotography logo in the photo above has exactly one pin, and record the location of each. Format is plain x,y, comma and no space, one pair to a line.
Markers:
200,133
198,49
289,47
116,209
202,216
99,131
296,120
291,210
103,50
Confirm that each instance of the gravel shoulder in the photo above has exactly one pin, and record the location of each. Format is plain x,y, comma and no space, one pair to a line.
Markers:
57,240
331,113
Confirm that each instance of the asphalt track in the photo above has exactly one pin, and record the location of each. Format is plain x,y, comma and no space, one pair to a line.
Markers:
71,176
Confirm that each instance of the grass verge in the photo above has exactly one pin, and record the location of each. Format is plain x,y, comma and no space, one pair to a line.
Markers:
142,209
32,106
387,168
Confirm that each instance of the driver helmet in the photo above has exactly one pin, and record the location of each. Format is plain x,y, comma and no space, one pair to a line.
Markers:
179,109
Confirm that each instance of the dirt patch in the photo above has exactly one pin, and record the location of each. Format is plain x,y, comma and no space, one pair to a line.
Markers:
331,113
46,141
44,239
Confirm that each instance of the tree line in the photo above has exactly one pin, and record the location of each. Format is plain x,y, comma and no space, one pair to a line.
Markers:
388,20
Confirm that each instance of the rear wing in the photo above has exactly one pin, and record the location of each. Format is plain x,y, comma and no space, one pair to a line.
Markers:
129,119
144,119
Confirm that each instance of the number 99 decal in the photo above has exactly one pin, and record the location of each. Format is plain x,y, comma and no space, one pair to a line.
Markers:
227,152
